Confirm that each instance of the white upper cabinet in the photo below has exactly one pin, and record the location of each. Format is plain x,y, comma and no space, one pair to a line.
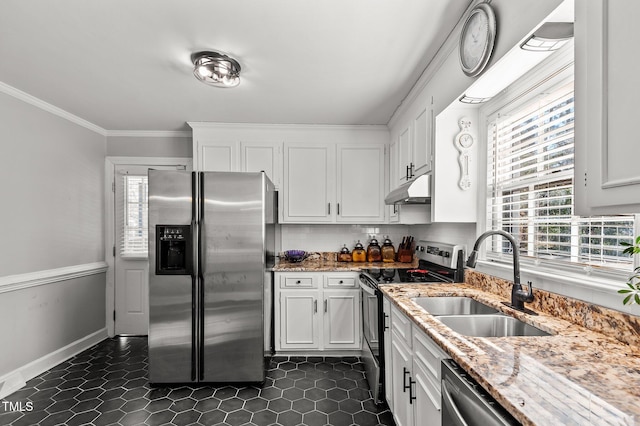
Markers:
324,174
262,156
360,183
414,149
216,156
341,183
607,88
309,182
422,141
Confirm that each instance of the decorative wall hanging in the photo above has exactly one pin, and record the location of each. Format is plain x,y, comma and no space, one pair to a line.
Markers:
463,142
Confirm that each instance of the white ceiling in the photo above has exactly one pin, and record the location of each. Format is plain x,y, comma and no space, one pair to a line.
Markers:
125,64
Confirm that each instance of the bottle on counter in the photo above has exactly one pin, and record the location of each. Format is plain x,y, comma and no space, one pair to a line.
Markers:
344,255
358,254
388,251
374,253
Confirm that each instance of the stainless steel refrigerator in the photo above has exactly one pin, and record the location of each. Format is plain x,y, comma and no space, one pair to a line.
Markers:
211,247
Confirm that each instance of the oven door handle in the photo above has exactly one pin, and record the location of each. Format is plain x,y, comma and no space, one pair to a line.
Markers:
367,289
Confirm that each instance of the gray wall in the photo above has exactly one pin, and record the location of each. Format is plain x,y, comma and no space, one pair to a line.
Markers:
149,146
52,192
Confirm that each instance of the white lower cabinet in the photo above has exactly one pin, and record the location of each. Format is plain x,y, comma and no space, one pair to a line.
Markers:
414,363
388,389
317,311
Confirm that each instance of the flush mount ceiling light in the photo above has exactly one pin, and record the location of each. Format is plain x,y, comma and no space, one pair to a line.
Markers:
550,36
216,69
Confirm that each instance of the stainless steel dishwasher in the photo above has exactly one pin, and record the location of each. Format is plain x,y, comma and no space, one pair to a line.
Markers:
466,403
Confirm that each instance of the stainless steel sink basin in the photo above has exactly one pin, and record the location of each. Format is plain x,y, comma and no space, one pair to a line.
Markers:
453,305
490,326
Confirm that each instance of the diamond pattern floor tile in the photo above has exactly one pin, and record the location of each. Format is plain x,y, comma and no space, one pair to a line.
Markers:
108,385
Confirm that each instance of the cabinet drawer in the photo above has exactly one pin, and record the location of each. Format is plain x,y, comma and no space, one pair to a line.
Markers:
340,282
401,325
306,282
427,354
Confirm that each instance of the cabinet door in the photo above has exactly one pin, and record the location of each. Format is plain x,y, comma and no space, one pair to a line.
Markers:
388,360
405,155
308,184
422,142
401,376
341,319
426,406
607,88
262,156
299,323
393,178
216,156
360,184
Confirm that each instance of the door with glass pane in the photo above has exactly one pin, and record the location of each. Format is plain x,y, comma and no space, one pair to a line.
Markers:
131,271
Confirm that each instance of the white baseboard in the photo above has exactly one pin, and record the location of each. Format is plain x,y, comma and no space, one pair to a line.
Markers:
17,379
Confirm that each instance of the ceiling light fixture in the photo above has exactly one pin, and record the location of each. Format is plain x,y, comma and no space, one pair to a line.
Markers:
216,69
550,36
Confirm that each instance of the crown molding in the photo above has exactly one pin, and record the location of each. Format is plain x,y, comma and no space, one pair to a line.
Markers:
149,133
45,106
219,125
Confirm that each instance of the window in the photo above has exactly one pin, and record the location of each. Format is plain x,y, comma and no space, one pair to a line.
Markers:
530,187
135,236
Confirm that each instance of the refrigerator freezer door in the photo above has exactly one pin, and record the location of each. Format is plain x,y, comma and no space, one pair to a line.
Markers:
233,261
171,323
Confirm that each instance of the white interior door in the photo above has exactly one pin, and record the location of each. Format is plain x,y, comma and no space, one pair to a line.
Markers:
131,265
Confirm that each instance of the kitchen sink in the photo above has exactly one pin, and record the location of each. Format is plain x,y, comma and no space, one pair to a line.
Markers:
490,326
453,305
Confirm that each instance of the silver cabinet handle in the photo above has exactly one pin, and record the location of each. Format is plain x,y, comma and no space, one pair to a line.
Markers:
325,305
338,209
328,208
315,306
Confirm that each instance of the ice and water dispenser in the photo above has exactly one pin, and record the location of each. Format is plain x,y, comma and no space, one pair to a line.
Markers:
173,250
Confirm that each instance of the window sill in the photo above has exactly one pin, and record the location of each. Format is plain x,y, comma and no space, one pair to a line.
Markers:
594,279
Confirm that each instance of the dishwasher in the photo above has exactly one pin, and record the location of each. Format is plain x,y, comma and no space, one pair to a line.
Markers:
466,403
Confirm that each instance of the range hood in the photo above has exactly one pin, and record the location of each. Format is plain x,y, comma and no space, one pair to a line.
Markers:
418,191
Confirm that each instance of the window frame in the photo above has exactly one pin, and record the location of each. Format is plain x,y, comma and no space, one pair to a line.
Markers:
556,70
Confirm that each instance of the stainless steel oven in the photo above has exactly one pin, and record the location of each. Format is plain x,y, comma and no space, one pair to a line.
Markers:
438,263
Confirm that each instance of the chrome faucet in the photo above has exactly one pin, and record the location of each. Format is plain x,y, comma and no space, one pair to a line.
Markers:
518,295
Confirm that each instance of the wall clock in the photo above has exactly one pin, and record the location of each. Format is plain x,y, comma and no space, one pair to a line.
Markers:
477,39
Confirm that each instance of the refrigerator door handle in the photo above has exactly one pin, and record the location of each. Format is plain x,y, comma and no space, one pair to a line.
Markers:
194,281
201,273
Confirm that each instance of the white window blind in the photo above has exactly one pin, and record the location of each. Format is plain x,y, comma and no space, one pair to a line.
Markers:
530,188
134,230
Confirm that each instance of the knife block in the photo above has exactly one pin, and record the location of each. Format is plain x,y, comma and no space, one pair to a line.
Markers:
405,255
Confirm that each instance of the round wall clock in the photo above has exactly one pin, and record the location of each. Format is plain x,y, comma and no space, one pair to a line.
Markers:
477,39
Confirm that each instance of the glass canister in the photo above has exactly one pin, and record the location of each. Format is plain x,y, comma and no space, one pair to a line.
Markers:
388,251
359,254
344,255
374,253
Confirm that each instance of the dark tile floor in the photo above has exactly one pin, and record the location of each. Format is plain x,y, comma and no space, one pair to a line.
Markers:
107,385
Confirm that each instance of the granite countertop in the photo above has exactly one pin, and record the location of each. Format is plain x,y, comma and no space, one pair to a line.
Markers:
326,262
581,374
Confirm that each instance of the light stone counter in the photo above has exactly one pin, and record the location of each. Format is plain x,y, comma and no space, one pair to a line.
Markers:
587,372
